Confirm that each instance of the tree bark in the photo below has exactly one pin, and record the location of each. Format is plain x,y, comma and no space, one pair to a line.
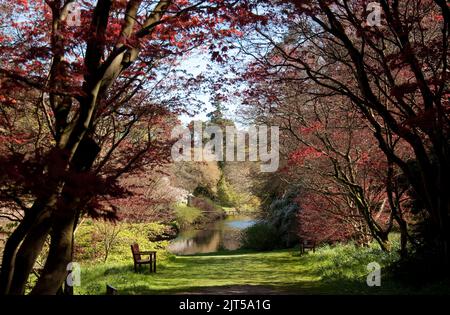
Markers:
403,239
13,243
10,251
60,255
29,251
63,221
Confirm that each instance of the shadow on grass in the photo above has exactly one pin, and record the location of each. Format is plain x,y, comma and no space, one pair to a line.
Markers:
266,271
223,252
240,272
218,273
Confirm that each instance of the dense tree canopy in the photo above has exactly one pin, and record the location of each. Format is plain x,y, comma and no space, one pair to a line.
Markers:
90,91
341,85
97,95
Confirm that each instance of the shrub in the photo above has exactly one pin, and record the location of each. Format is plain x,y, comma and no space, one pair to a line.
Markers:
281,214
260,236
348,262
205,204
202,191
187,215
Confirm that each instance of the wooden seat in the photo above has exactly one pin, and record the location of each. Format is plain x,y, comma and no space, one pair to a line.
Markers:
307,244
110,290
138,260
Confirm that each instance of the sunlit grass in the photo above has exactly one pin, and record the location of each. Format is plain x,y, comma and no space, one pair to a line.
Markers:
185,273
327,271
340,269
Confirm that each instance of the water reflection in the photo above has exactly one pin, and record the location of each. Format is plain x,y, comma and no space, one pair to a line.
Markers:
223,234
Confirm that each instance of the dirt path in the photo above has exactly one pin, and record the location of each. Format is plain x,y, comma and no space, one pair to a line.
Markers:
235,290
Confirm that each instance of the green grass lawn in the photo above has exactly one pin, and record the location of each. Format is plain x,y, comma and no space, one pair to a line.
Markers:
331,270
339,269
186,273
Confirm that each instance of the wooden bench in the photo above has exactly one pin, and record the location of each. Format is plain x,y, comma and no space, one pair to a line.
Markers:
110,290
307,244
138,260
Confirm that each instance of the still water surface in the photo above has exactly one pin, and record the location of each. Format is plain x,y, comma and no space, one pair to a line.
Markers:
222,234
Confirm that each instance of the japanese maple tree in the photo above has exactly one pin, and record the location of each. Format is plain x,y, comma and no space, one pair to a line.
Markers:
101,91
394,73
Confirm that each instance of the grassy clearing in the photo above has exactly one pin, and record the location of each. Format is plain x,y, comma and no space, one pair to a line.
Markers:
186,215
331,270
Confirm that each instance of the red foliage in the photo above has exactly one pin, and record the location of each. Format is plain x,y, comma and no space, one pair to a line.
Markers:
319,221
49,69
299,156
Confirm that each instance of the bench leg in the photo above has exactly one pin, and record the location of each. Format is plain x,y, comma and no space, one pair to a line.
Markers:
154,264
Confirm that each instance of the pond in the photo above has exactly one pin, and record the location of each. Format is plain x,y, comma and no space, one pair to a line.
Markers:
222,234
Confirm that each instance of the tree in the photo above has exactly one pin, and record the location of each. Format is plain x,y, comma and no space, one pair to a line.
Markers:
92,88
197,176
330,153
109,236
217,115
394,74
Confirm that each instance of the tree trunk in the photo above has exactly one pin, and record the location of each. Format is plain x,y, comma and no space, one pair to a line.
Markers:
11,247
64,219
382,239
13,243
60,255
29,251
403,240
9,253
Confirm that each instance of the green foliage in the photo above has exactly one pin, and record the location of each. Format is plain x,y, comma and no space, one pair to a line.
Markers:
251,204
224,193
278,229
203,191
229,197
201,178
282,215
186,215
260,236
90,240
348,262
229,210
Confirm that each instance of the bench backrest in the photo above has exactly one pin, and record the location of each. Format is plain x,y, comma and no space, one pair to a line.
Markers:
308,243
136,252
